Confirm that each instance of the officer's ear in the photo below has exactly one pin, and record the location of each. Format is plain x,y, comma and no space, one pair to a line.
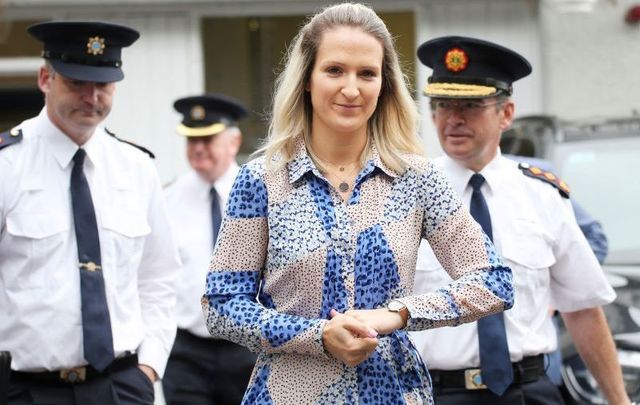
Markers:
235,140
45,75
508,111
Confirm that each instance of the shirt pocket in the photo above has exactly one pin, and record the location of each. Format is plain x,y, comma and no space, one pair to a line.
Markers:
125,234
39,237
527,245
527,249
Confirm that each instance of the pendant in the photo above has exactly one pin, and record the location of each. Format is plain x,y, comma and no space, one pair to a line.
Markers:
343,187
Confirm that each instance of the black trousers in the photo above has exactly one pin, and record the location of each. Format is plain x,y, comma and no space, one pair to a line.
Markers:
125,387
539,392
203,371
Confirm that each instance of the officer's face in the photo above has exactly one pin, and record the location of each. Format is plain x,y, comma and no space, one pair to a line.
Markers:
74,106
345,81
211,156
469,130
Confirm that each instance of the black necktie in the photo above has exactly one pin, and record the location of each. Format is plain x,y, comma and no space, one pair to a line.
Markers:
495,364
216,214
96,325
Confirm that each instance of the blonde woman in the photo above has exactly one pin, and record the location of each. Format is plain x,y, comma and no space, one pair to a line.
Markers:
314,264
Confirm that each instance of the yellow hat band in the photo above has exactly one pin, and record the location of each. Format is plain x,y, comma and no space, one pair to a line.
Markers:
458,90
212,129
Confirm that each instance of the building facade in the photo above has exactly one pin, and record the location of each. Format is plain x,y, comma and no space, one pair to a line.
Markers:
583,62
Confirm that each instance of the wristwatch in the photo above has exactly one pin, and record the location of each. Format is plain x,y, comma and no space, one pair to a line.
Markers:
396,306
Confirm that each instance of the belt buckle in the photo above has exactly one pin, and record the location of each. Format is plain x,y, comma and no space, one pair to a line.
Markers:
473,379
73,375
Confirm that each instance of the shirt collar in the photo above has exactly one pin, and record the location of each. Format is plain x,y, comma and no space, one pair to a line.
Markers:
458,175
492,172
224,184
62,147
301,163
94,147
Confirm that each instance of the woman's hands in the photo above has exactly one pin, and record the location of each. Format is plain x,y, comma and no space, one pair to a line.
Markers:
381,319
348,339
351,337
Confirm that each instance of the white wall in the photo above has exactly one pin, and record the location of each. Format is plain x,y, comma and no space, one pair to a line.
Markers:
584,64
591,62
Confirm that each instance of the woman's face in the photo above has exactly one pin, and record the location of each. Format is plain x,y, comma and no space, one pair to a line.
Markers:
345,81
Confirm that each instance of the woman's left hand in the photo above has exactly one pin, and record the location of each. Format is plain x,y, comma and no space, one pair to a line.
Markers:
381,319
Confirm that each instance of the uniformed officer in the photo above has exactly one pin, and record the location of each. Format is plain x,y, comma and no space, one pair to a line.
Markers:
201,369
500,359
593,231
87,260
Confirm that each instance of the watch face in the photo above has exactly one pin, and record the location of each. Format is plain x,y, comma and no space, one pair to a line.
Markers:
395,306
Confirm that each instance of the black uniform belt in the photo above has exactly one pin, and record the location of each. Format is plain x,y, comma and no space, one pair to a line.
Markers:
525,371
75,375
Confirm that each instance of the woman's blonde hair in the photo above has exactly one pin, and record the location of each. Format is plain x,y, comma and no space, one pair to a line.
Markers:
393,125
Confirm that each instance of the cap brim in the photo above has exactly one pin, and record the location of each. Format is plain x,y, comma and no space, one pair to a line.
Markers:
86,73
209,130
459,90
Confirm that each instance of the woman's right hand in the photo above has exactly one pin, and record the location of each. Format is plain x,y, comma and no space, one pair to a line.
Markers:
348,339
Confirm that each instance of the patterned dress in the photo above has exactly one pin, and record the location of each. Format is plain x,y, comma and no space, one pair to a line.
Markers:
290,250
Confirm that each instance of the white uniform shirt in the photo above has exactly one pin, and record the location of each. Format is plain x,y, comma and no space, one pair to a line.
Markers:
40,308
536,233
189,205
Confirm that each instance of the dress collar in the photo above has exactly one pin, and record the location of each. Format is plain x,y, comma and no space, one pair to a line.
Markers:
302,164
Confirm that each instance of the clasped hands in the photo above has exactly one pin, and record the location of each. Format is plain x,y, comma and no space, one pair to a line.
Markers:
352,337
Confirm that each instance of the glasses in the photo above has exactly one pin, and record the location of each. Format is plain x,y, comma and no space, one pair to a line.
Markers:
466,107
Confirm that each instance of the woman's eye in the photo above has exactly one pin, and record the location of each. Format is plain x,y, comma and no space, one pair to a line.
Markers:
333,70
368,73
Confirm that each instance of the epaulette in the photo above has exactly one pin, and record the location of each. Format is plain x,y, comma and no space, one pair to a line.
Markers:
142,148
545,176
10,137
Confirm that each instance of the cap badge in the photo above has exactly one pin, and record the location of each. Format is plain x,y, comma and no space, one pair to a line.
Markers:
456,60
197,112
95,46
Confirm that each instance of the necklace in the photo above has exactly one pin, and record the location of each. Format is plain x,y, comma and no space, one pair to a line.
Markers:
344,185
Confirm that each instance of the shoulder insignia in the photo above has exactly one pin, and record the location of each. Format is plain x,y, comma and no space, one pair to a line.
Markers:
10,137
545,176
142,148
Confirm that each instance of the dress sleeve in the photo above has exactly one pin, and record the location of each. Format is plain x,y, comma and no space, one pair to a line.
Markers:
481,285
233,307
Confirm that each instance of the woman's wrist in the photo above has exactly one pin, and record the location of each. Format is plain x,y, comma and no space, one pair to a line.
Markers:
399,308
